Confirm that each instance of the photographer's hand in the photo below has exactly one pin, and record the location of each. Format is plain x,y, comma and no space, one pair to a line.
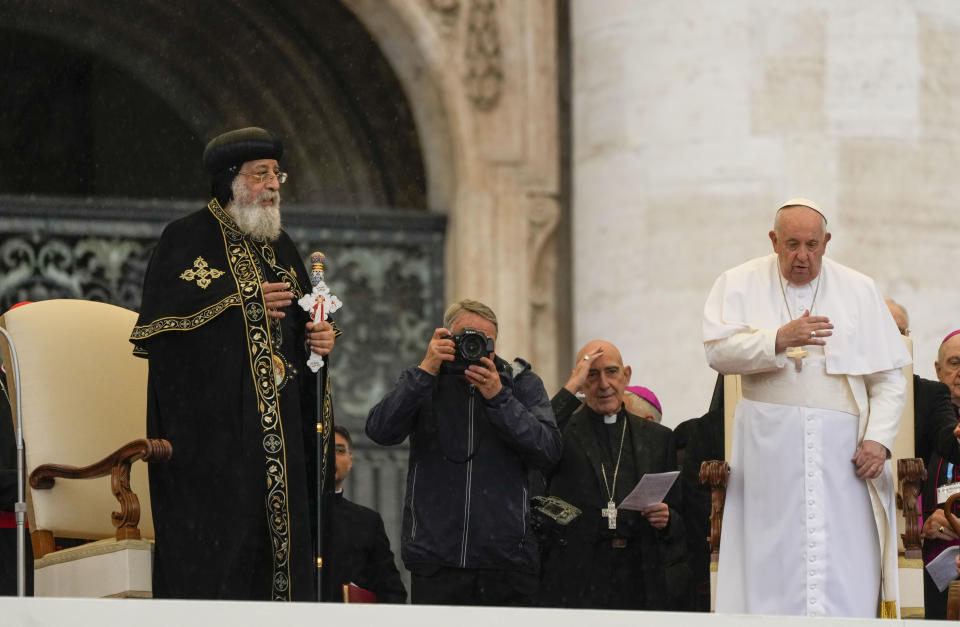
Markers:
485,377
439,350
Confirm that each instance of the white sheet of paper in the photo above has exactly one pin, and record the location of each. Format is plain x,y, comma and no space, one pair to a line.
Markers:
946,491
943,568
650,490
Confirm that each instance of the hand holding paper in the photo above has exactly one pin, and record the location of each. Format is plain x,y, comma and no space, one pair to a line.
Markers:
943,568
651,490
657,515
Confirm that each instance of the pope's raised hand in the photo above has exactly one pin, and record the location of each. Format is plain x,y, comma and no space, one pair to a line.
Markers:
804,331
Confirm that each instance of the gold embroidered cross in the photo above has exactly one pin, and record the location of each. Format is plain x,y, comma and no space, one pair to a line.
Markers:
202,272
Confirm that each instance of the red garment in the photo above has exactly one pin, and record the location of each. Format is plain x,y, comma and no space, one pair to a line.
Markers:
8,520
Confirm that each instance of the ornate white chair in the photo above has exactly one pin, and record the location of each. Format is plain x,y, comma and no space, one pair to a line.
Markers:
83,398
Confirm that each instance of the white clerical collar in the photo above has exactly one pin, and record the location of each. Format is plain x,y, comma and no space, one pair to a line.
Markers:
340,491
609,420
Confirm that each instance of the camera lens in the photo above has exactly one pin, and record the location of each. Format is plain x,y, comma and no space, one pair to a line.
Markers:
472,347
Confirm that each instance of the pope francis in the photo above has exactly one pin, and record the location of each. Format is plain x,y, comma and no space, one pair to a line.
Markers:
809,524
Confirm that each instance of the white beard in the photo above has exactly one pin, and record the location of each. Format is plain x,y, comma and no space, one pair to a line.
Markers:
253,219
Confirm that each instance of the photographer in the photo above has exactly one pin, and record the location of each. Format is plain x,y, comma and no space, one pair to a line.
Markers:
476,425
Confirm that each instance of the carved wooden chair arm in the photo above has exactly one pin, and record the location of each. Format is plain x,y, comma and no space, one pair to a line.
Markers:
912,473
117,465
948,513
953,601
715,474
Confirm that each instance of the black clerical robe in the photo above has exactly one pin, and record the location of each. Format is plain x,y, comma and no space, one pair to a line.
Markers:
934,419
633,566
234,509
360,553
699,440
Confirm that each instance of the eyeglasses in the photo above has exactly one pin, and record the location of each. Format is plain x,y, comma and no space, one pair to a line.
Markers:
267,177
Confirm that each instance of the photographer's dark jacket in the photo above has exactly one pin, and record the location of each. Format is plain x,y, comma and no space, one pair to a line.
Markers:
633,566
466,501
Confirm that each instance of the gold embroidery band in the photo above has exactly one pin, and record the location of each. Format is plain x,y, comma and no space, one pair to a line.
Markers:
185,323
244,267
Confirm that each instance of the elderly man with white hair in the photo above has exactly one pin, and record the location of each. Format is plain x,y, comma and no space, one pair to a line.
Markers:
809,523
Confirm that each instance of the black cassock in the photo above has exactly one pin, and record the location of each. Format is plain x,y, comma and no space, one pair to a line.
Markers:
360,553
234,510
633,566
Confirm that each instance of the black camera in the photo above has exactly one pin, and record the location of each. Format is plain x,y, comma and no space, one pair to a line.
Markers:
469,347
550,517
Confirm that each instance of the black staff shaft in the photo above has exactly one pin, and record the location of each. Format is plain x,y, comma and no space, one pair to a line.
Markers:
321,473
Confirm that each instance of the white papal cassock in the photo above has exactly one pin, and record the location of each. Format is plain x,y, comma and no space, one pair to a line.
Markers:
801,534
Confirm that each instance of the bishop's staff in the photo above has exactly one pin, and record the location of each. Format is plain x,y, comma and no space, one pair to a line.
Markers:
319,304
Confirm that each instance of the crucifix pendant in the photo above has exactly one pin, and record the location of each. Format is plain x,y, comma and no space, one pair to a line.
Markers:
797,354
610,513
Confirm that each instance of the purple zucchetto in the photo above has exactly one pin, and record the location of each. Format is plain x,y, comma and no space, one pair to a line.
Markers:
646,394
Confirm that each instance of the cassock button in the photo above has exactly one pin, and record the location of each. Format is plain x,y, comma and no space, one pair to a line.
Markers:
810,445
812,573
809,474
810,516
810,502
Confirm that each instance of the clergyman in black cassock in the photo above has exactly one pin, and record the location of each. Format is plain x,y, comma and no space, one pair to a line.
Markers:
234,510
360,553
636,565
360,550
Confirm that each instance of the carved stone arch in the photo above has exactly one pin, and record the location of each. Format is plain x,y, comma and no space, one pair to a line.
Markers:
404,33
276,65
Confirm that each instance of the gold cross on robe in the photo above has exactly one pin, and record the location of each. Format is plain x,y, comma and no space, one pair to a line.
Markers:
797,354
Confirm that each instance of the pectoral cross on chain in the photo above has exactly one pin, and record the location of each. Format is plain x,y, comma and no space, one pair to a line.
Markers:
797,354
610,513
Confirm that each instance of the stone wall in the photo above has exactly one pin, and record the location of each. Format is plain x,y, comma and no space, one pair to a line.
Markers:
693,120
481,79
